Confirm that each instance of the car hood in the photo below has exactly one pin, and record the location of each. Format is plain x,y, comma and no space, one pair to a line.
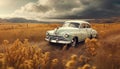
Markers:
63,30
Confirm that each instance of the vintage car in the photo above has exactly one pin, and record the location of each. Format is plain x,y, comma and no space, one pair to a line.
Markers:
71,33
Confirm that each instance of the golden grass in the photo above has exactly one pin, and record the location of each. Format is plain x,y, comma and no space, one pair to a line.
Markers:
36,32
23,55
17,53
33,32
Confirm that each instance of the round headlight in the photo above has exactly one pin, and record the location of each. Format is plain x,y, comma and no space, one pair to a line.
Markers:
66,35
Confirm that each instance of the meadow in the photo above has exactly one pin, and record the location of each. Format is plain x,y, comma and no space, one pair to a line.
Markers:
33,32
22,46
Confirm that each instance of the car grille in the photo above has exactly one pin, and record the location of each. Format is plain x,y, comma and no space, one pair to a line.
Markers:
53,37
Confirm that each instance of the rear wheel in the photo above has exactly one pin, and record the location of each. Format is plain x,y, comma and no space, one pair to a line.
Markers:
96,36
91,36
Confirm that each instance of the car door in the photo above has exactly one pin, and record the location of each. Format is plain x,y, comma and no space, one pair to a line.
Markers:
88,29
83,31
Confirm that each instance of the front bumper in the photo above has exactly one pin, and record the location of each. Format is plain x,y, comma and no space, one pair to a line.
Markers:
58,41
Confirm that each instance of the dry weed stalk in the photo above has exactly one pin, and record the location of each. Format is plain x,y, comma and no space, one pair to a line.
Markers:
54,64
91,46
71,64
2,61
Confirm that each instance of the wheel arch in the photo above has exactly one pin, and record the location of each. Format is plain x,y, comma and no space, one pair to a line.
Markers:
76,37
94,34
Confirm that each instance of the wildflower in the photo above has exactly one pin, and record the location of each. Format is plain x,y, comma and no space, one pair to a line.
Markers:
81,58
94,67
47,56
70,64
54,63
86,66
2,61
5,42
26,43
87,40
74,57
10,67
28,64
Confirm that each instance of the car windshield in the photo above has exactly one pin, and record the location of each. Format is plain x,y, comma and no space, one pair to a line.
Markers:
71,24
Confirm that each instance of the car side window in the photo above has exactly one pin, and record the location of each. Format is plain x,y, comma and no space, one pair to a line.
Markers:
88,26
75,25
83,25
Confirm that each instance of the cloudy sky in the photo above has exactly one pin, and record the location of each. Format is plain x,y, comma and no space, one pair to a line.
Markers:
39,9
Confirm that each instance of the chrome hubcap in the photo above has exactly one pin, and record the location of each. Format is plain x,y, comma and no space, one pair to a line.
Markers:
73,42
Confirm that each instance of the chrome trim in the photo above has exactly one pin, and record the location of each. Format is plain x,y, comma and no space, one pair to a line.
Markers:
58,41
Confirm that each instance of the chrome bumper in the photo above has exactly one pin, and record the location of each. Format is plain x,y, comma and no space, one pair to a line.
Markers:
58,41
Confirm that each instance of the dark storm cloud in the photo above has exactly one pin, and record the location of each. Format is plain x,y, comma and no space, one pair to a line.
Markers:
70,9
63,5
107,8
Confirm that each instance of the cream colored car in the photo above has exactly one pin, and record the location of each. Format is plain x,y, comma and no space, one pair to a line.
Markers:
71,33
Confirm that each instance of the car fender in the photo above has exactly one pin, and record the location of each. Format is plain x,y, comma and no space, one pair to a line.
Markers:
94,33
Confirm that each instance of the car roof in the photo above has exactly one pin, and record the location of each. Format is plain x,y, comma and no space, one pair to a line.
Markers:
78,21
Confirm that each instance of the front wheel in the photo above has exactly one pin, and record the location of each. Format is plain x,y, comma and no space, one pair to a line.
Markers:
74,42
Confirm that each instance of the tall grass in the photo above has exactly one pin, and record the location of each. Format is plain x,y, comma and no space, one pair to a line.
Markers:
17,53
33,32
23,55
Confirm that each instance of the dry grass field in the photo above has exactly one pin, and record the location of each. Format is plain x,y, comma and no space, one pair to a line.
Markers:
22,46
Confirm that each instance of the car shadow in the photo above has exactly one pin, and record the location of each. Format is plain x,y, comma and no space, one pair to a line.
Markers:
68,46
57,45
80,44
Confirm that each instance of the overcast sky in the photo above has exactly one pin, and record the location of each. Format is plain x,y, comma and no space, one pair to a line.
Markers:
39,9
7,7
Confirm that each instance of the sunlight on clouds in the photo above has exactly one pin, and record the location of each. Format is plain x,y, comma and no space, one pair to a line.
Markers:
7,7
43,2
4,3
